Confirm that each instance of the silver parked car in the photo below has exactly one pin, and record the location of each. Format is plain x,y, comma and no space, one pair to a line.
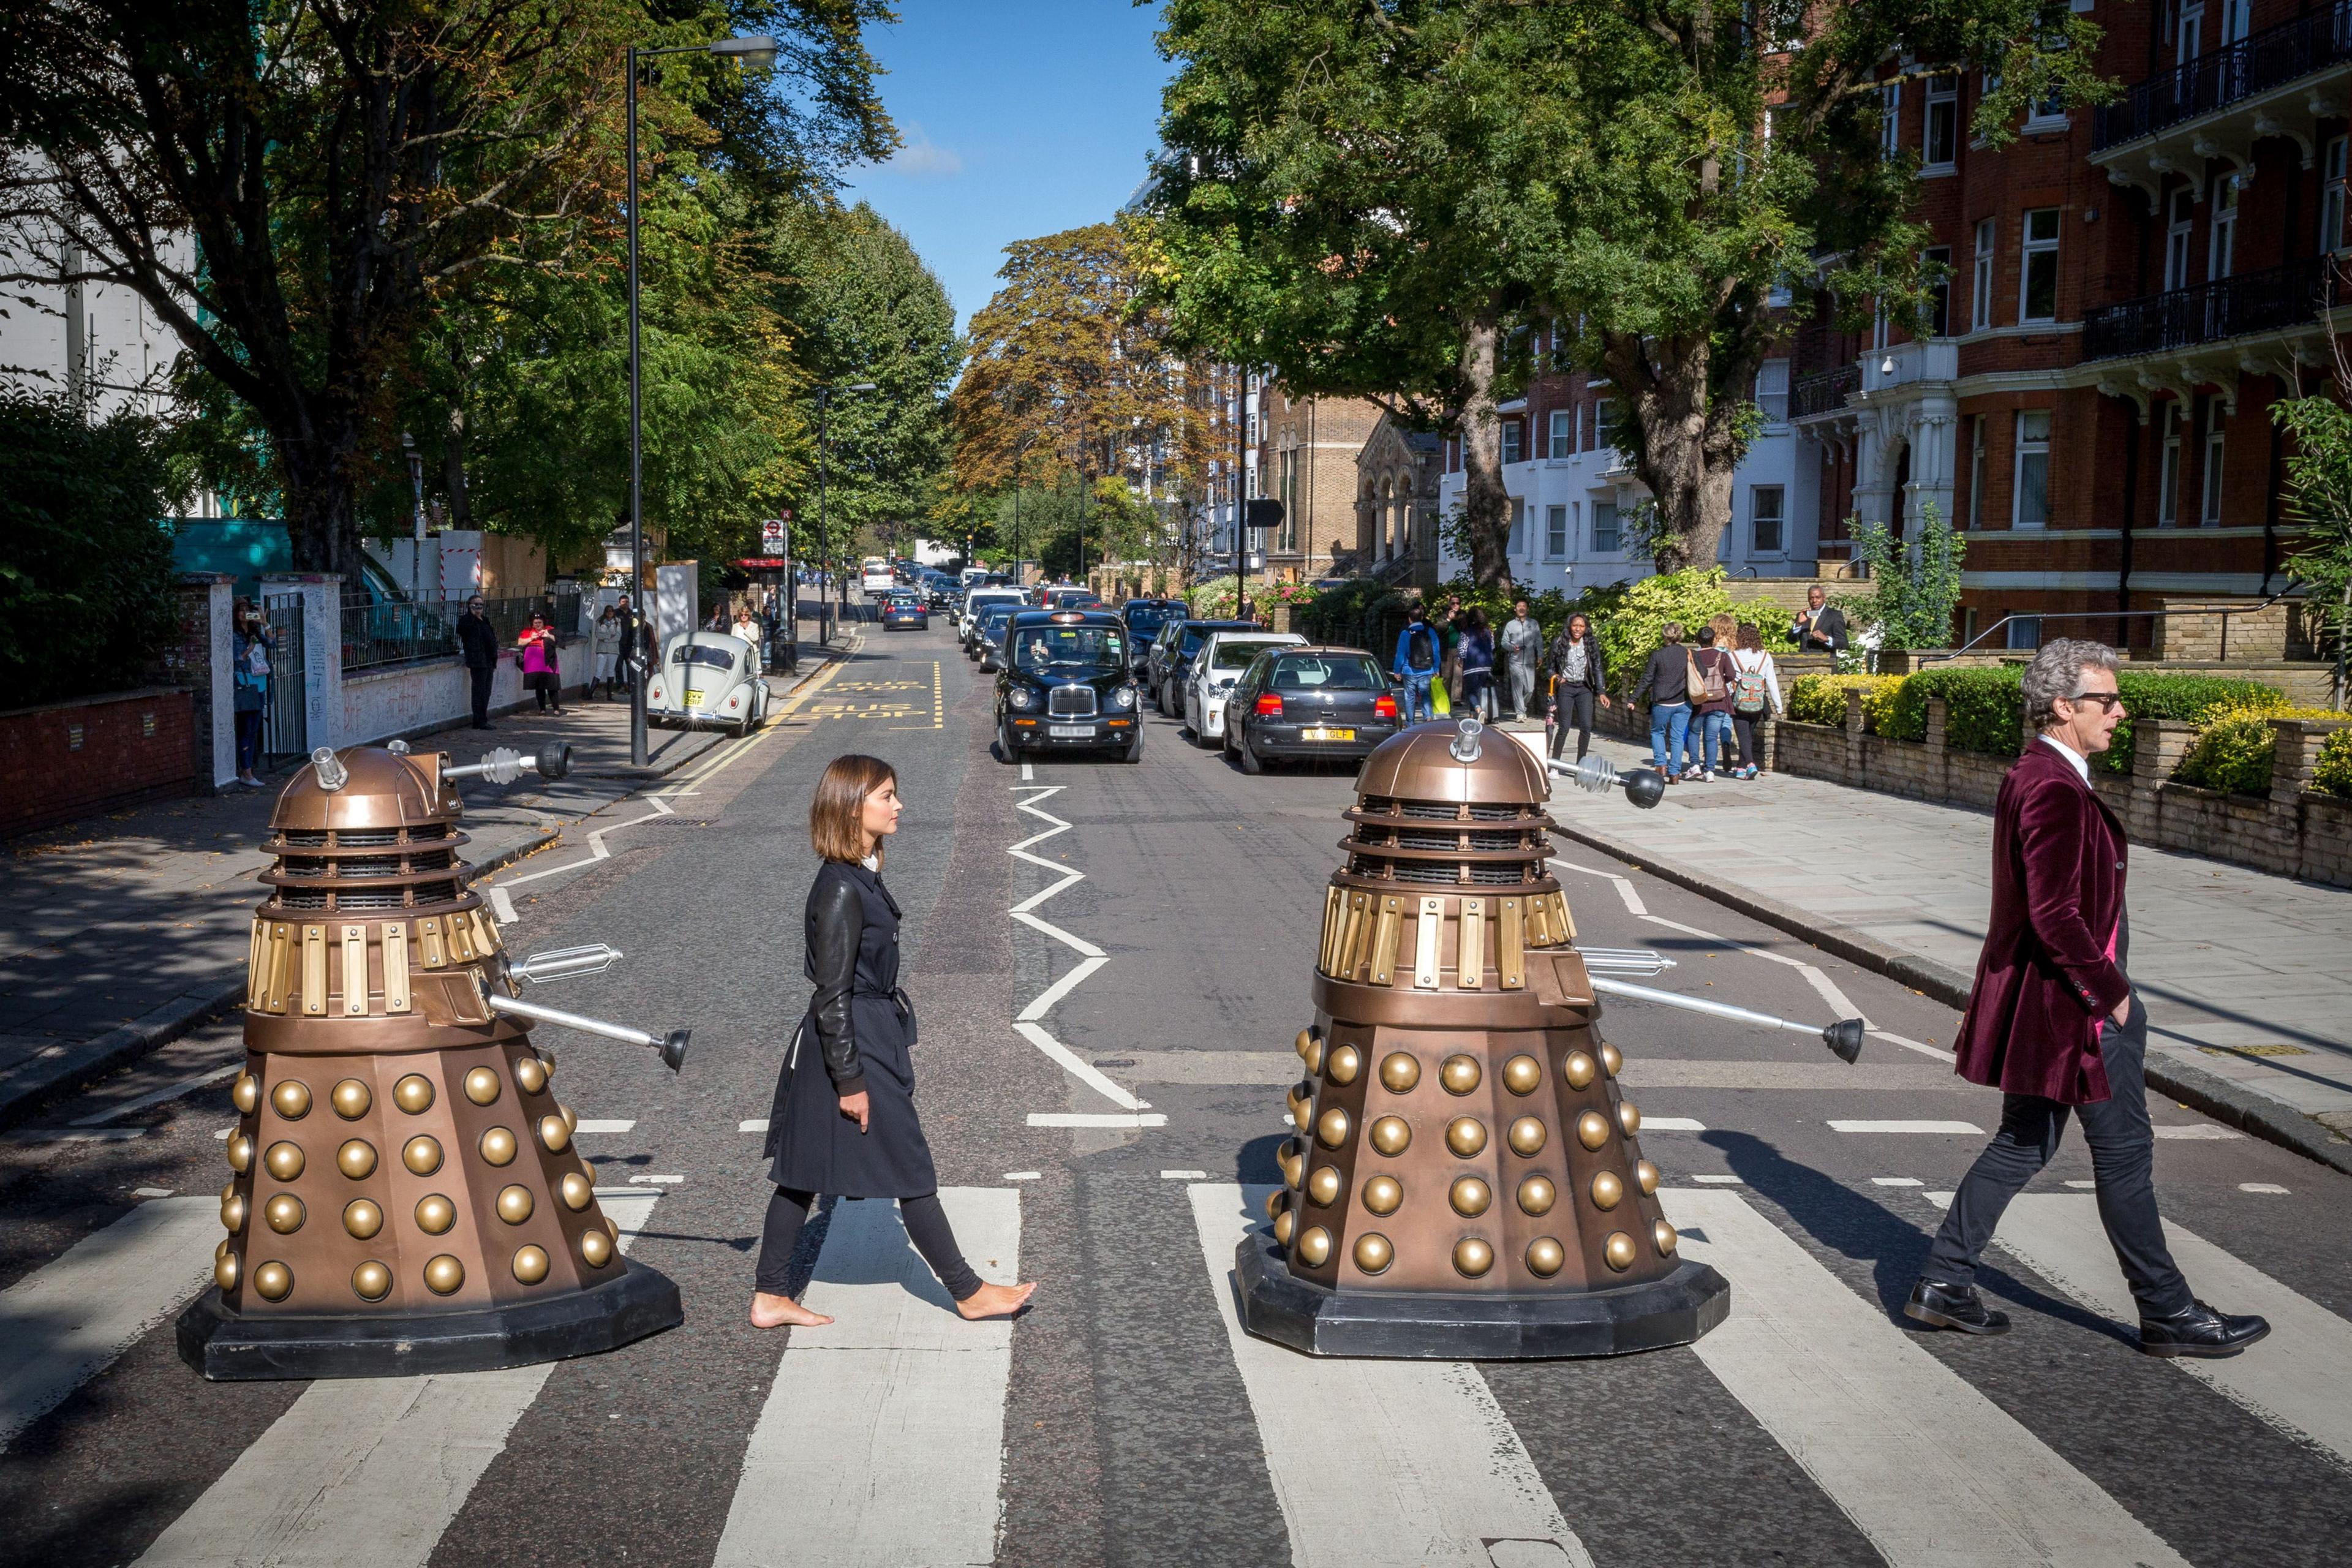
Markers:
709,681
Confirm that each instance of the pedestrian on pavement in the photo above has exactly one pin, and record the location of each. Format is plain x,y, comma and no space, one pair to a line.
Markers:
745,627
1475,655
541,675
250,693
1666,681
607,645
1415,664
1821,628
844,1118
1449,633
1523,646
2053,1023
1755,695
1578,678
477,645
1710,693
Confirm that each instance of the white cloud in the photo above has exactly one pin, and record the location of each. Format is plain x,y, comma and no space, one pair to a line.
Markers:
920,157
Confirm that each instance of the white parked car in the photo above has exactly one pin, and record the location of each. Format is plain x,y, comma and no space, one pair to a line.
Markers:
1222,657
973,602
709,679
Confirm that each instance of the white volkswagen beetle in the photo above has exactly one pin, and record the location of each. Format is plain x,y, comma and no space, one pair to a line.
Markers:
709,678
1222,657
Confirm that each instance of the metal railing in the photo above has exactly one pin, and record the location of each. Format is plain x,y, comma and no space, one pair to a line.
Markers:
379,632
2255,64
1823,392
2284,296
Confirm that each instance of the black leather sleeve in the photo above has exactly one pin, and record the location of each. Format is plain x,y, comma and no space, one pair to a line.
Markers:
837,921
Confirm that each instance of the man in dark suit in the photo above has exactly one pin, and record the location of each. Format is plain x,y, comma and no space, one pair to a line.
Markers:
2052,1023
1822,629
477,645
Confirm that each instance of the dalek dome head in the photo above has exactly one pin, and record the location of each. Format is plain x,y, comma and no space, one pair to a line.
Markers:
1454,763
365,789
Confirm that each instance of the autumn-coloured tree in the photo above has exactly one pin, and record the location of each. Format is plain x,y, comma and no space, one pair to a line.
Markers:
1069,374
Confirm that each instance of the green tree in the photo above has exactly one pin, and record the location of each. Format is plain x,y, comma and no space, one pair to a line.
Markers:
1399,200
2319,497
1358,196
341,169
86,572
1914,587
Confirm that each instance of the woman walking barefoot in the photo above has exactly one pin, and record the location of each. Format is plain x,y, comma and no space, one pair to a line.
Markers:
844,1120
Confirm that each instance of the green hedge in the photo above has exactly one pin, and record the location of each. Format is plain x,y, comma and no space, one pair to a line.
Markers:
1820,698
2334,775
1984,709
2236,748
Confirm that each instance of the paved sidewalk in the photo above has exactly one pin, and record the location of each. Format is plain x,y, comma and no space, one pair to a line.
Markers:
119,932
2244,974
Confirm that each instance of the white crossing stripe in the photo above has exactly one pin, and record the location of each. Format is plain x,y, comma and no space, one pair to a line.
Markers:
1447,1477
1097,1119
882,1441
1672,1124
62,1324
366,1472
1848,1124
2299,1379
2200,1132
604,1126
1934,1473
752,1125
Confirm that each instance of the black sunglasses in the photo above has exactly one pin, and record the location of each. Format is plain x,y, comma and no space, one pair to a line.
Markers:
2106,700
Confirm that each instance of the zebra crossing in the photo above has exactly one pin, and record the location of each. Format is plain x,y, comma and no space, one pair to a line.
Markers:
882,1440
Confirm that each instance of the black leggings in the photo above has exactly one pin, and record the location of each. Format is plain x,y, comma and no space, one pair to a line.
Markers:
926,1226
1751,755
1575,710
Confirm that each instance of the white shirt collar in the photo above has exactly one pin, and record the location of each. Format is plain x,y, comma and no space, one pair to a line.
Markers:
2082,764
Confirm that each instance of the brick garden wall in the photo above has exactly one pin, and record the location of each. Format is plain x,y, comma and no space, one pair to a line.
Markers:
67,760
2293,831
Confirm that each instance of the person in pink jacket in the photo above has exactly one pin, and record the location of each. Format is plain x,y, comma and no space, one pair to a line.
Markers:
540,673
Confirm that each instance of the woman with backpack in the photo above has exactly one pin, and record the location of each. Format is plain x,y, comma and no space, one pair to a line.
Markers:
1710,690
1755,695
1666,681
1475,655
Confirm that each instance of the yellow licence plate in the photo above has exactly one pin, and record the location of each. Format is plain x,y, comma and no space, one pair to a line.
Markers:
693,698
1327,734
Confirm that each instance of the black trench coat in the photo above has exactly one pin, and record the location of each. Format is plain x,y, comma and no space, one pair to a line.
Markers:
858,1032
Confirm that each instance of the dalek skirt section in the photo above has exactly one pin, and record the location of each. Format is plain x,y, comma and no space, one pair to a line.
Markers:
404,1192
1466,1181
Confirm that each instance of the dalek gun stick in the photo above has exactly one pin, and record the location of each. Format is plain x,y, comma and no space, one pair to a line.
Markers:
405,1195
570,963
1843,1037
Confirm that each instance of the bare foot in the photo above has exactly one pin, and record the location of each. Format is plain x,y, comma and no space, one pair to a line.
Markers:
995,1300
777,1311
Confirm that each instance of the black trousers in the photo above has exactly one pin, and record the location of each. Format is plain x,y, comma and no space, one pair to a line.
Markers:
483,675
926,1226
1751,755
2123,1157
1575,709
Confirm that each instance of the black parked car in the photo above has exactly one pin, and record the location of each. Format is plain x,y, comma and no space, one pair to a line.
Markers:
1294,704
1144,617
1065,685
988,632
1171,659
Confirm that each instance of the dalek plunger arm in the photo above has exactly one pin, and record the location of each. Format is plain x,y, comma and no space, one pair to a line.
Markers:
565,963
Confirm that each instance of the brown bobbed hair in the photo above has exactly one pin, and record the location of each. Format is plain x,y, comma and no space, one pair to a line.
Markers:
835,816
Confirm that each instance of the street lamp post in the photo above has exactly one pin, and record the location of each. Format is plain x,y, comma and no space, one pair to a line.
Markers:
824,537
760,54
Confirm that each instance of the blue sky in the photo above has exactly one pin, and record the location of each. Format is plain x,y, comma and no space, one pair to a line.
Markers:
1020,118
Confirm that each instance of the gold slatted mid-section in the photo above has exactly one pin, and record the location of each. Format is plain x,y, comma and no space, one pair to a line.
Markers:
378,954
1368,936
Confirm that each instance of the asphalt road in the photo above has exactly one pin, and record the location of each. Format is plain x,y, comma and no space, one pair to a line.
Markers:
1117,1421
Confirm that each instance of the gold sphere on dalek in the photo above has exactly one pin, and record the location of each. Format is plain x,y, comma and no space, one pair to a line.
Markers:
1466,1180
394,1207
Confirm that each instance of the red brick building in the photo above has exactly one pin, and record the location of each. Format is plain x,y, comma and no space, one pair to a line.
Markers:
2132,286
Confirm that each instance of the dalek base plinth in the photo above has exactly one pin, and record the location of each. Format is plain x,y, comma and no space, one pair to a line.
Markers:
228,1346
1423,1326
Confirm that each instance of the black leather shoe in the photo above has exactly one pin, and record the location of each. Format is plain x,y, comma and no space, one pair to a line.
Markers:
2201,1331
1953,1307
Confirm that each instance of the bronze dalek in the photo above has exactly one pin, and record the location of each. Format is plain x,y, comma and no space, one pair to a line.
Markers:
405,1195
1466,1181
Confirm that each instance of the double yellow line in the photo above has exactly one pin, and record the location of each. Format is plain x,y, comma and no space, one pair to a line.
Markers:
733,752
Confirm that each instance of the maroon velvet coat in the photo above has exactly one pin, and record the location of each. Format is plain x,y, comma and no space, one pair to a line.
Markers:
2045,981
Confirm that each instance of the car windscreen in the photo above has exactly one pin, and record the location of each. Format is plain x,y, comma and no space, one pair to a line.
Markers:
1235,653
717,657
992,617
1195,634
1326,672
1144,623
1070,650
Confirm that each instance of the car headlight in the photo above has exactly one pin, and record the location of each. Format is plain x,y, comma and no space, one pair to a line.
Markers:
1123,698
1021,697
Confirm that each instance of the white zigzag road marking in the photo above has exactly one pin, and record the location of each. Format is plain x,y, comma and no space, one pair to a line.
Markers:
502,896
1091,958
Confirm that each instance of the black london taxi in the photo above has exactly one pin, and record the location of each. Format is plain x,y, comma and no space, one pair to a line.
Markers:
1064,684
